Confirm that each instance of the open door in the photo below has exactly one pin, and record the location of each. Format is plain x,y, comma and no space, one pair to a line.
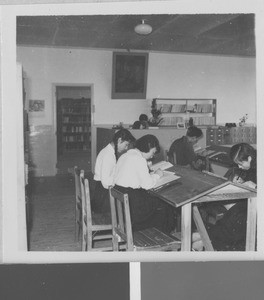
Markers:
73,127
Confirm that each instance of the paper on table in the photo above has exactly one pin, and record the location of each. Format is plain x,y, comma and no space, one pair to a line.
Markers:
163,165
166,179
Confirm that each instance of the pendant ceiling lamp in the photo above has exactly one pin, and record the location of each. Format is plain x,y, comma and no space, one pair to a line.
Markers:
143,28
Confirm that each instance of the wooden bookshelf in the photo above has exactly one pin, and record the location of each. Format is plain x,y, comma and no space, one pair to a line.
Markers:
175,111
74,125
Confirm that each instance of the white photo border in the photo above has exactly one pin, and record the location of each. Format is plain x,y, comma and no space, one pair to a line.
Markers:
12,252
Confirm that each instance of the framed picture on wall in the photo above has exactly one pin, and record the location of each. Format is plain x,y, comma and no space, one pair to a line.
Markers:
129,77
36,108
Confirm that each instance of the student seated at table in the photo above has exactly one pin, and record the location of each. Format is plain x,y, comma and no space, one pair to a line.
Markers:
142,123
229,233
184,149
104,168
133,177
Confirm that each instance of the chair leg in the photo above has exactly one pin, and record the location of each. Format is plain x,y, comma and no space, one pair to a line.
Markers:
78,225
76,228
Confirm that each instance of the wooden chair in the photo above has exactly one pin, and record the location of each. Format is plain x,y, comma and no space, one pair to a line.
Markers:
172,159
78,203
150,239
93,225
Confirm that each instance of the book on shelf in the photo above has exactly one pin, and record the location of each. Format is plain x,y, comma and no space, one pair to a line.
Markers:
178,108
204,108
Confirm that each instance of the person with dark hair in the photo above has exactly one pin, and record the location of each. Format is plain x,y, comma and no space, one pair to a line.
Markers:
183,148
244,156
136,125
104,168
142,123
132,176
229,233
143,117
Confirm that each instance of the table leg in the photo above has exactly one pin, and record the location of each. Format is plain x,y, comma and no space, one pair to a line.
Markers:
186,227
201,229
251,224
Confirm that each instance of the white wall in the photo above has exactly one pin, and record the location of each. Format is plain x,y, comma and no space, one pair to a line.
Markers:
231,80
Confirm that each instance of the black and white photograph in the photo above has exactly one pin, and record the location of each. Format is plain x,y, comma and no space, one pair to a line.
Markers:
169,173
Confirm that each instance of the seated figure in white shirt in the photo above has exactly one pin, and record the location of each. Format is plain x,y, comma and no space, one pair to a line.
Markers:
104,168
133,177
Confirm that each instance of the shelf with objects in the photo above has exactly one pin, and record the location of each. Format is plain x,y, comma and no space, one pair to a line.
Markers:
74,117
181,112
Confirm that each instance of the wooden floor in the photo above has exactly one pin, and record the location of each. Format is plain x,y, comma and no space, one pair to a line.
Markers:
51,214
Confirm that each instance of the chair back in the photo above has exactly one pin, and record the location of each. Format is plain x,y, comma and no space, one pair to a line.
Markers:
121,220
78,202
171,157
86,213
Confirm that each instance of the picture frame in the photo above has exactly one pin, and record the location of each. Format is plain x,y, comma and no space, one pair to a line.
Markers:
129,75
36,105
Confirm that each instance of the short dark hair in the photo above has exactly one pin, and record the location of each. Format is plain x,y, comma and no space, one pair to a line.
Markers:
194,131
147,142
240,152
125,135
143,117
136,125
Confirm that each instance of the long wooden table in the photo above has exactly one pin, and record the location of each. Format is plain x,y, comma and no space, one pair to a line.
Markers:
194,187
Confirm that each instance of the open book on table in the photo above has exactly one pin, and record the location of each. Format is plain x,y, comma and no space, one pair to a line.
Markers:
166,180
163,165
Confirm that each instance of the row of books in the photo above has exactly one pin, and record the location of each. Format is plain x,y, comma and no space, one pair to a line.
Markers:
75,119
182,108
75,129
74,147
203,120
75,110
171,121
71,101
73,138
203,108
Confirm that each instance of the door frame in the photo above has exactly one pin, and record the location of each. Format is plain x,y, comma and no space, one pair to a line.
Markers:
54,108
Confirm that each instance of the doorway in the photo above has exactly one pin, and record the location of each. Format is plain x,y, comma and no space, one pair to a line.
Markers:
73,128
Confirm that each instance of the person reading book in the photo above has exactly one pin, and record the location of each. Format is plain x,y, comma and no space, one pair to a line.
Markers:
132,176
184,149
104,168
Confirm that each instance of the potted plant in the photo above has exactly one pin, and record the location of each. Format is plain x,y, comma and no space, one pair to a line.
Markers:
243,120
156,115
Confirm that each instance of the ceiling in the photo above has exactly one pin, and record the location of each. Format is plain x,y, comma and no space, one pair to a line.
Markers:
220,34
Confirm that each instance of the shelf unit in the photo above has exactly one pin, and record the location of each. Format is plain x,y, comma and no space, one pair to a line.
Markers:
74,117
179,111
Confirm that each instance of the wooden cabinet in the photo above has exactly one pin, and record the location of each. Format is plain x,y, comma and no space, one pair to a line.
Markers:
183,111
221,135
74,124
218,135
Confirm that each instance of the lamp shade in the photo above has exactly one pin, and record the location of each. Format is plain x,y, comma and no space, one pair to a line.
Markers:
143,28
